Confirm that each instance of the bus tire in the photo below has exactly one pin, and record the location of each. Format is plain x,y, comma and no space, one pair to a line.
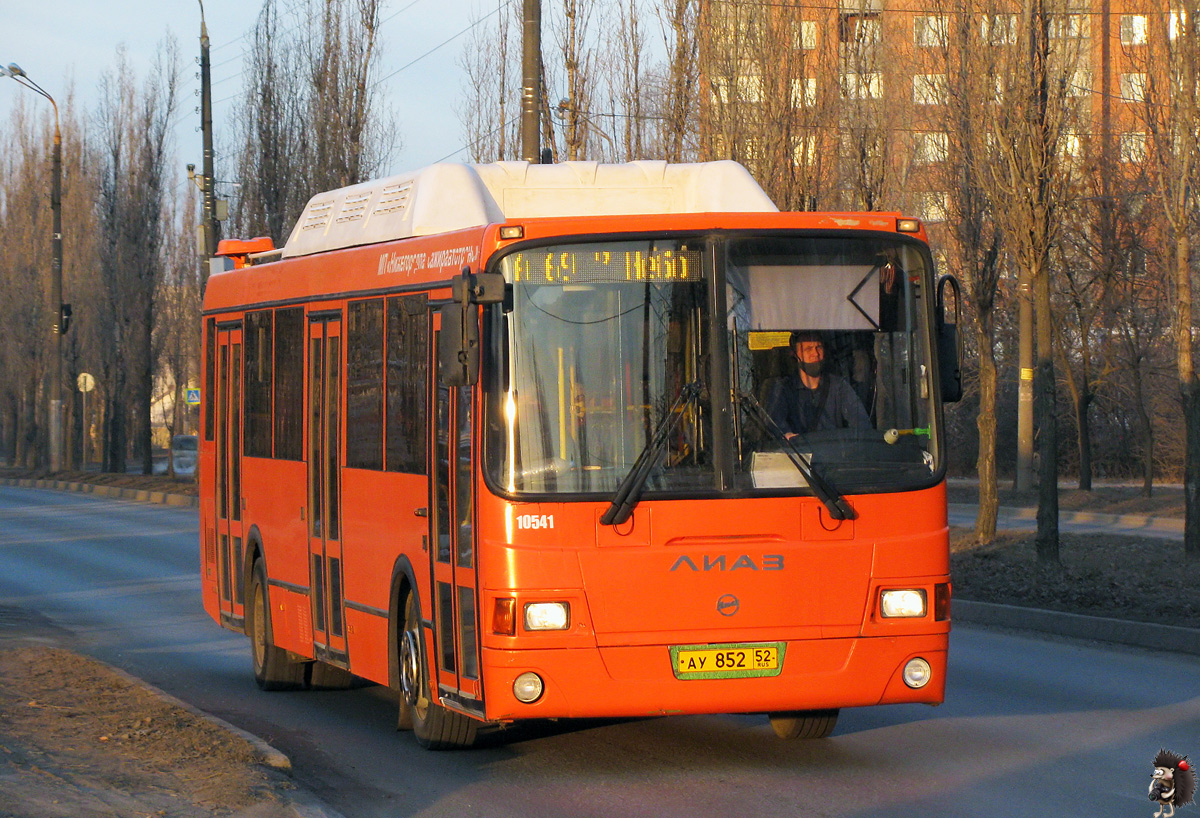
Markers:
435,727
273,670
805,724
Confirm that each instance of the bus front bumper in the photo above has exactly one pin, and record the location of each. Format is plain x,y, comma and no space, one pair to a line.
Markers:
633,681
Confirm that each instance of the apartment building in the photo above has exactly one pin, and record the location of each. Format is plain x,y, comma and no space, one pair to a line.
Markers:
855,103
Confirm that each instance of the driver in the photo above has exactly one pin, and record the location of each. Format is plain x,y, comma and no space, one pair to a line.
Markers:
811,399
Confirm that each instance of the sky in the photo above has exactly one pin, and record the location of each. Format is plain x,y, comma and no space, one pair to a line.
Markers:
58,42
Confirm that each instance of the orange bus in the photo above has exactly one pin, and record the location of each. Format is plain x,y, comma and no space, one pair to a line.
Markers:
528,441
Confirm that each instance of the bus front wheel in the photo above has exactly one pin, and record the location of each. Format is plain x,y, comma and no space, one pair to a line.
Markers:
435,727
273,670
804,723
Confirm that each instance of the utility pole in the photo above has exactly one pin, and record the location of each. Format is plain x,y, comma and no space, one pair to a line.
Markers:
206,128
59,311
531,83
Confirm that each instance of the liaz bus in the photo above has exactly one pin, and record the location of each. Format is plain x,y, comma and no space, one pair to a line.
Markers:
511,440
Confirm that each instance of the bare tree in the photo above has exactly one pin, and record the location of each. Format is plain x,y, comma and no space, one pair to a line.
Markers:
133,134
1171,114
975,245
1032,121
314,122
491,104
25,263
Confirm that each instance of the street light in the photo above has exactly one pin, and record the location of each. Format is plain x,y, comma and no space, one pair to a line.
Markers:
57,308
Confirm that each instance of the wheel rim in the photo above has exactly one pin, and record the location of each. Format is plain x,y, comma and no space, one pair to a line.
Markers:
410,668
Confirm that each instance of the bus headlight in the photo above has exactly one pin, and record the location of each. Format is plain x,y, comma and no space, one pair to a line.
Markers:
903,603
547,616
528,688
917,673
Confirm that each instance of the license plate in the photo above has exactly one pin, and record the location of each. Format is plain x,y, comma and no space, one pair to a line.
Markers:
727,661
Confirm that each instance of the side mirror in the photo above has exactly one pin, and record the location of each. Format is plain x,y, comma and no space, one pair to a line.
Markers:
949,344
458,345
458,342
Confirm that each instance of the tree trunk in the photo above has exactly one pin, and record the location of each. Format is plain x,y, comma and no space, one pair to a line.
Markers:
1046,420
1083,435
1147,428
989,497
1191,469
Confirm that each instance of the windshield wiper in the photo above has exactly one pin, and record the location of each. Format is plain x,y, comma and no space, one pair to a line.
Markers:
839,509
630,490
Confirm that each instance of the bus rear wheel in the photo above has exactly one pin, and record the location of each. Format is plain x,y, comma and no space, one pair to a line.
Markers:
804,723
435,727
273,670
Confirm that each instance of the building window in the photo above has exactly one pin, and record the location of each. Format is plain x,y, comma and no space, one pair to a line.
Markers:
929,89
860,28
862,86
1177,23
1069,26
1070,145
804,92
930,147
804,35
750,88
1133,29
930,30
999,29
932,207
1133,87
1080,84
804,150
1133,147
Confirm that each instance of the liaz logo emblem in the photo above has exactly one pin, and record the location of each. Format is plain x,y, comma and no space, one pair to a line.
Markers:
727,605
708,562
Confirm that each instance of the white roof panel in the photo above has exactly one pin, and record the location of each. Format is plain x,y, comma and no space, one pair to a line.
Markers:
446,197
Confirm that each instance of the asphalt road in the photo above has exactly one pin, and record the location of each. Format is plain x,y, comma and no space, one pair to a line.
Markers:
1031,726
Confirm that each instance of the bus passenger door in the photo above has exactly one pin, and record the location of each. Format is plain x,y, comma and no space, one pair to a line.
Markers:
228,482
324,505
452,533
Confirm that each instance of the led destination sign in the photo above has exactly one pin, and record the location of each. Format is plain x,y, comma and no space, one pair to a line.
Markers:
626,262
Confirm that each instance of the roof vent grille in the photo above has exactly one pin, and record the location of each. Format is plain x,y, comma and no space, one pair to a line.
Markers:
354,207
317,217
394,198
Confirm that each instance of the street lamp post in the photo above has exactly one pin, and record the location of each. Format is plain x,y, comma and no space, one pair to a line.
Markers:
57,327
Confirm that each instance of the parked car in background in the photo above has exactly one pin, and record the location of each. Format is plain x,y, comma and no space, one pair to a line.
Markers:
184,449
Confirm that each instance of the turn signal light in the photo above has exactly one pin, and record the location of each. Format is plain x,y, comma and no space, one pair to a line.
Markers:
941,601
504,617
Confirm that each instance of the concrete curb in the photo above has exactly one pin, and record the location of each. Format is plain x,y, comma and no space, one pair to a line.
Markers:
113,492
296,802
267,754
1077,626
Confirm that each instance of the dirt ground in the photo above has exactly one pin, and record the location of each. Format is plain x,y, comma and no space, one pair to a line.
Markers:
78,740
1144,579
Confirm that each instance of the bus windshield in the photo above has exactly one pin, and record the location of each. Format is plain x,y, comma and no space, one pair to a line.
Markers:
829,350
607,349
602,339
